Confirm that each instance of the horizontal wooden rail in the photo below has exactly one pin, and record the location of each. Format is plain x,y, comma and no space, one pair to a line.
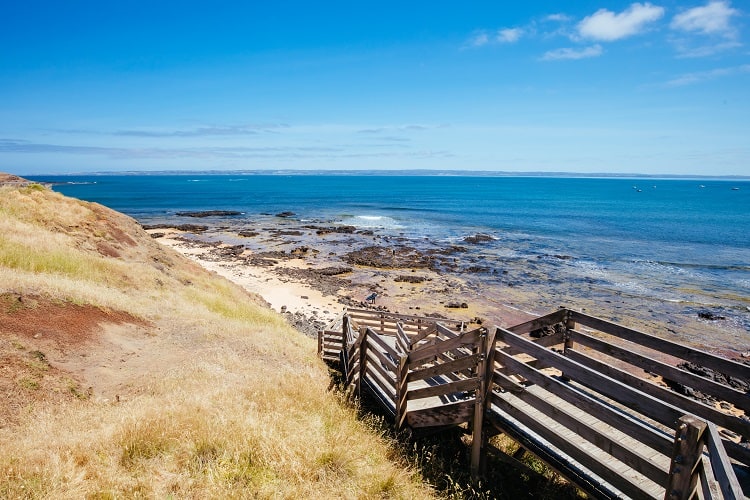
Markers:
444,368
720,391
543,321
636,427
426,352
722,365
447,389
678,400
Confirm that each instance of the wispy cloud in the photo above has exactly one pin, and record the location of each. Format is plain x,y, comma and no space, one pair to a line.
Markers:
204,131
573,53
509,35
559,18
713,18
687,49
209,131
390,149
605,25
481,38
704,76
478,39
398,128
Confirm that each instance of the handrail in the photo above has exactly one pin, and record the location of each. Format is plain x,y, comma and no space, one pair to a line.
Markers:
699,460
478,373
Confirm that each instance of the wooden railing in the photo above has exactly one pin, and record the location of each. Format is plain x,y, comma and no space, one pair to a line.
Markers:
579,399
700,465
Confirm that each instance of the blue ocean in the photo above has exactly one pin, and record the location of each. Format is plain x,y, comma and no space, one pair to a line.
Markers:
677,241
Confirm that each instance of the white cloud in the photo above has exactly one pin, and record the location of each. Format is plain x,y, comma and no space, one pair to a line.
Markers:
686,51
509,35
478,40
608,26
559,18
711,19
703,76
570,53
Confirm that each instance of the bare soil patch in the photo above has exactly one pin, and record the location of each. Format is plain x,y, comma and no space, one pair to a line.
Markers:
37,337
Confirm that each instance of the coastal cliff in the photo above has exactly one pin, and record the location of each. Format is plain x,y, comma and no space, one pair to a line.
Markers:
129,370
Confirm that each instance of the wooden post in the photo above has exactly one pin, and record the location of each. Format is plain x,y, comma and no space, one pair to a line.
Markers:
686,456
488,383
570,324
321,334
402,387
345,332
362,360
479,405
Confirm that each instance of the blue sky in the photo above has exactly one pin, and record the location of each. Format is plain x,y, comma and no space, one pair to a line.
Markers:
655,88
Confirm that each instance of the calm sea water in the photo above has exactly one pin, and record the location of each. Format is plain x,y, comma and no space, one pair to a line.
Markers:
673,240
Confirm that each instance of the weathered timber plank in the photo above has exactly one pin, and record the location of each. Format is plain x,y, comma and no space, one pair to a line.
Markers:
686,404
402,340
449,414
468,338
506,383
375,375
385,403
628,424
722,466
444,368
395,316
385,361
444,389
607,438
602,464
639,401
737,452
424,333
594,486
540,322
386,325
720,391
444,331
702,358
377,341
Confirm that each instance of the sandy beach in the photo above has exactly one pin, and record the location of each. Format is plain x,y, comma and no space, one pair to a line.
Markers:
311,287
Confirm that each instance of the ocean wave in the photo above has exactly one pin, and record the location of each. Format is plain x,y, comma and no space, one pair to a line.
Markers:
374,222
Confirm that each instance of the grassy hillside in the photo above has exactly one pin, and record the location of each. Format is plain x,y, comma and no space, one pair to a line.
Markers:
127,371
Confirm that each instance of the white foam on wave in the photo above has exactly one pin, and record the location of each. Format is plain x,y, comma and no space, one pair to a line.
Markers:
374,222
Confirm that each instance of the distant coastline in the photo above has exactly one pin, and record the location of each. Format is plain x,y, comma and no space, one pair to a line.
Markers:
415,172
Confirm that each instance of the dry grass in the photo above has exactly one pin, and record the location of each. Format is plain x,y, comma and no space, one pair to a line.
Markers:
225,401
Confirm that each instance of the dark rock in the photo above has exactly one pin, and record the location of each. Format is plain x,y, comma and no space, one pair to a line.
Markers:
157,235
403,278
188,228
285,214
390,258
708,315
333,271
248,234
479,238
209,213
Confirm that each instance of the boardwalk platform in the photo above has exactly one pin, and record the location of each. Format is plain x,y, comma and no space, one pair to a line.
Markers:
592,400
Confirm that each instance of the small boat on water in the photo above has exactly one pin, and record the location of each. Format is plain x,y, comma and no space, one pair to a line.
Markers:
735,189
